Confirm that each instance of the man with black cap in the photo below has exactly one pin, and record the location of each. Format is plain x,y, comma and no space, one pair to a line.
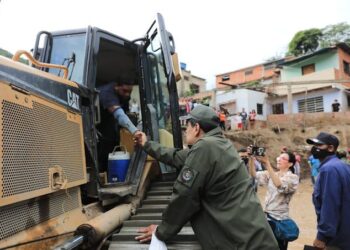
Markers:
331,195
213,190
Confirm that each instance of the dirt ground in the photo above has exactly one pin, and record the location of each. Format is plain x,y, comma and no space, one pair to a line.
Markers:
302,211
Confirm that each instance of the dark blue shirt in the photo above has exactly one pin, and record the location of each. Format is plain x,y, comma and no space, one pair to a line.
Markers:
108,96
331,199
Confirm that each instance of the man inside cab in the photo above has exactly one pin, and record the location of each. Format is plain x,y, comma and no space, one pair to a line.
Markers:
114,102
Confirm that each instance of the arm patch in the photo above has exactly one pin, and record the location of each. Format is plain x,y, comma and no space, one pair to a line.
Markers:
187,176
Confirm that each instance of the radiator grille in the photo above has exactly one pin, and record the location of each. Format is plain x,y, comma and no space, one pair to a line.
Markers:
33,141
23,215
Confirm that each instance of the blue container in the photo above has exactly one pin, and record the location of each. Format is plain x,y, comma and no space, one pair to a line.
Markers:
118,164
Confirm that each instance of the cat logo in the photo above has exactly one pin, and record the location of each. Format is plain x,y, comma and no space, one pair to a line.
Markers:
73,99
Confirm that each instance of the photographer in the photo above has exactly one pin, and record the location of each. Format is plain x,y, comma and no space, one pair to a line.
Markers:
281,187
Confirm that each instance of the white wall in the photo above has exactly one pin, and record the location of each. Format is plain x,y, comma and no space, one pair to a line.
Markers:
328,98
244,98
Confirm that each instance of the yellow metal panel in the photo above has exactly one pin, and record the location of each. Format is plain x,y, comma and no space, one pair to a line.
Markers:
35,137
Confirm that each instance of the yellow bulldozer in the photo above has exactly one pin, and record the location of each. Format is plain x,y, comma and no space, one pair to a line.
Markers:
54,190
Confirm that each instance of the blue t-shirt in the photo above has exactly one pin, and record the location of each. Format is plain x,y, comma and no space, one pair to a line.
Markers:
315,165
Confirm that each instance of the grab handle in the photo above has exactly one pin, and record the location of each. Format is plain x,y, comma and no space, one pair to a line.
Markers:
121,147
18,54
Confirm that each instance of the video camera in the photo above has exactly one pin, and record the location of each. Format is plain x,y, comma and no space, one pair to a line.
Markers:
257,151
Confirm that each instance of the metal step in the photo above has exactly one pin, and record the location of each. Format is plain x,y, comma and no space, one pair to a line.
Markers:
119,191
151,209
129,234
152,201
149,213
143,223
160,188
159,192
162,184
140,223
186,230
147,216
125,245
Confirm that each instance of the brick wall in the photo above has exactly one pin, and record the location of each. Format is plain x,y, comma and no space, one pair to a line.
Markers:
239,76
343,56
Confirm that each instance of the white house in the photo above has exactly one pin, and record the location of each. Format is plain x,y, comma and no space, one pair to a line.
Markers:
236,99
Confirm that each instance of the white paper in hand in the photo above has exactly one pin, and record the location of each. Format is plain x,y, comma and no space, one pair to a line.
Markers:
157,244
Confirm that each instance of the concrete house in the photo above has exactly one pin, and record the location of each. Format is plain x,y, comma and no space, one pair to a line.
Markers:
234,100
263,73
310,83
189,84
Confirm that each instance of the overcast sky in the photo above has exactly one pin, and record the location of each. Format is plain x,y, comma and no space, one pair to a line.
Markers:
211,37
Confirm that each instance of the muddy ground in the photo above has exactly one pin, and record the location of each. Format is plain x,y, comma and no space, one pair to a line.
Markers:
302,211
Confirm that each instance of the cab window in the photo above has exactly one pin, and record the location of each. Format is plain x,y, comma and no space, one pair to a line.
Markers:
158,80
69,50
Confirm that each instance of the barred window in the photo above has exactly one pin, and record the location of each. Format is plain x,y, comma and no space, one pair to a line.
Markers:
259,108
277,108
311,105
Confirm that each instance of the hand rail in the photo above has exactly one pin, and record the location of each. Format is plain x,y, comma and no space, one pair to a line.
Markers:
19,53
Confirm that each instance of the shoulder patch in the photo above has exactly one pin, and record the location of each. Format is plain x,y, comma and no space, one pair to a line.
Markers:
187,176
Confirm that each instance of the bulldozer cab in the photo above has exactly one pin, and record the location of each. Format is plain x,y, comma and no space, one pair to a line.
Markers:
94,58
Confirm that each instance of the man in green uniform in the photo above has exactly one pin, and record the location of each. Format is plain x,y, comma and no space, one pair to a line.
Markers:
213,190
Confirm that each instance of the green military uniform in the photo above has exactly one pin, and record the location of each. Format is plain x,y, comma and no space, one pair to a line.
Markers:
214,192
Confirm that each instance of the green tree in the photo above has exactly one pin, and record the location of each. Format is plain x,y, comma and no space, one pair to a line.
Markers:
305,41
5,53
333,34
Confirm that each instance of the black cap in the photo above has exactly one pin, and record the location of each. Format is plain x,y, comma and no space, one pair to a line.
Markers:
324,138
204,115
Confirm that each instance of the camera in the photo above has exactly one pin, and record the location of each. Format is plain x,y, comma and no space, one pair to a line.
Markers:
257,151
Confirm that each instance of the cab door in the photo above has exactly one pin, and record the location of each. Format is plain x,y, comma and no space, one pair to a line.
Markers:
159,84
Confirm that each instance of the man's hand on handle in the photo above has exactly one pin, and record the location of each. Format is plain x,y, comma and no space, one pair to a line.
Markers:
140,138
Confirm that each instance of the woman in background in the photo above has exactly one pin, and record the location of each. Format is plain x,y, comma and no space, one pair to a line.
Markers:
281,186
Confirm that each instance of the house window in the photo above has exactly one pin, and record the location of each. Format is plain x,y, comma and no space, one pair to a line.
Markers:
259,108
346,67
225,78
311,105
248,72
186,78
277,108
308,69
194,88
